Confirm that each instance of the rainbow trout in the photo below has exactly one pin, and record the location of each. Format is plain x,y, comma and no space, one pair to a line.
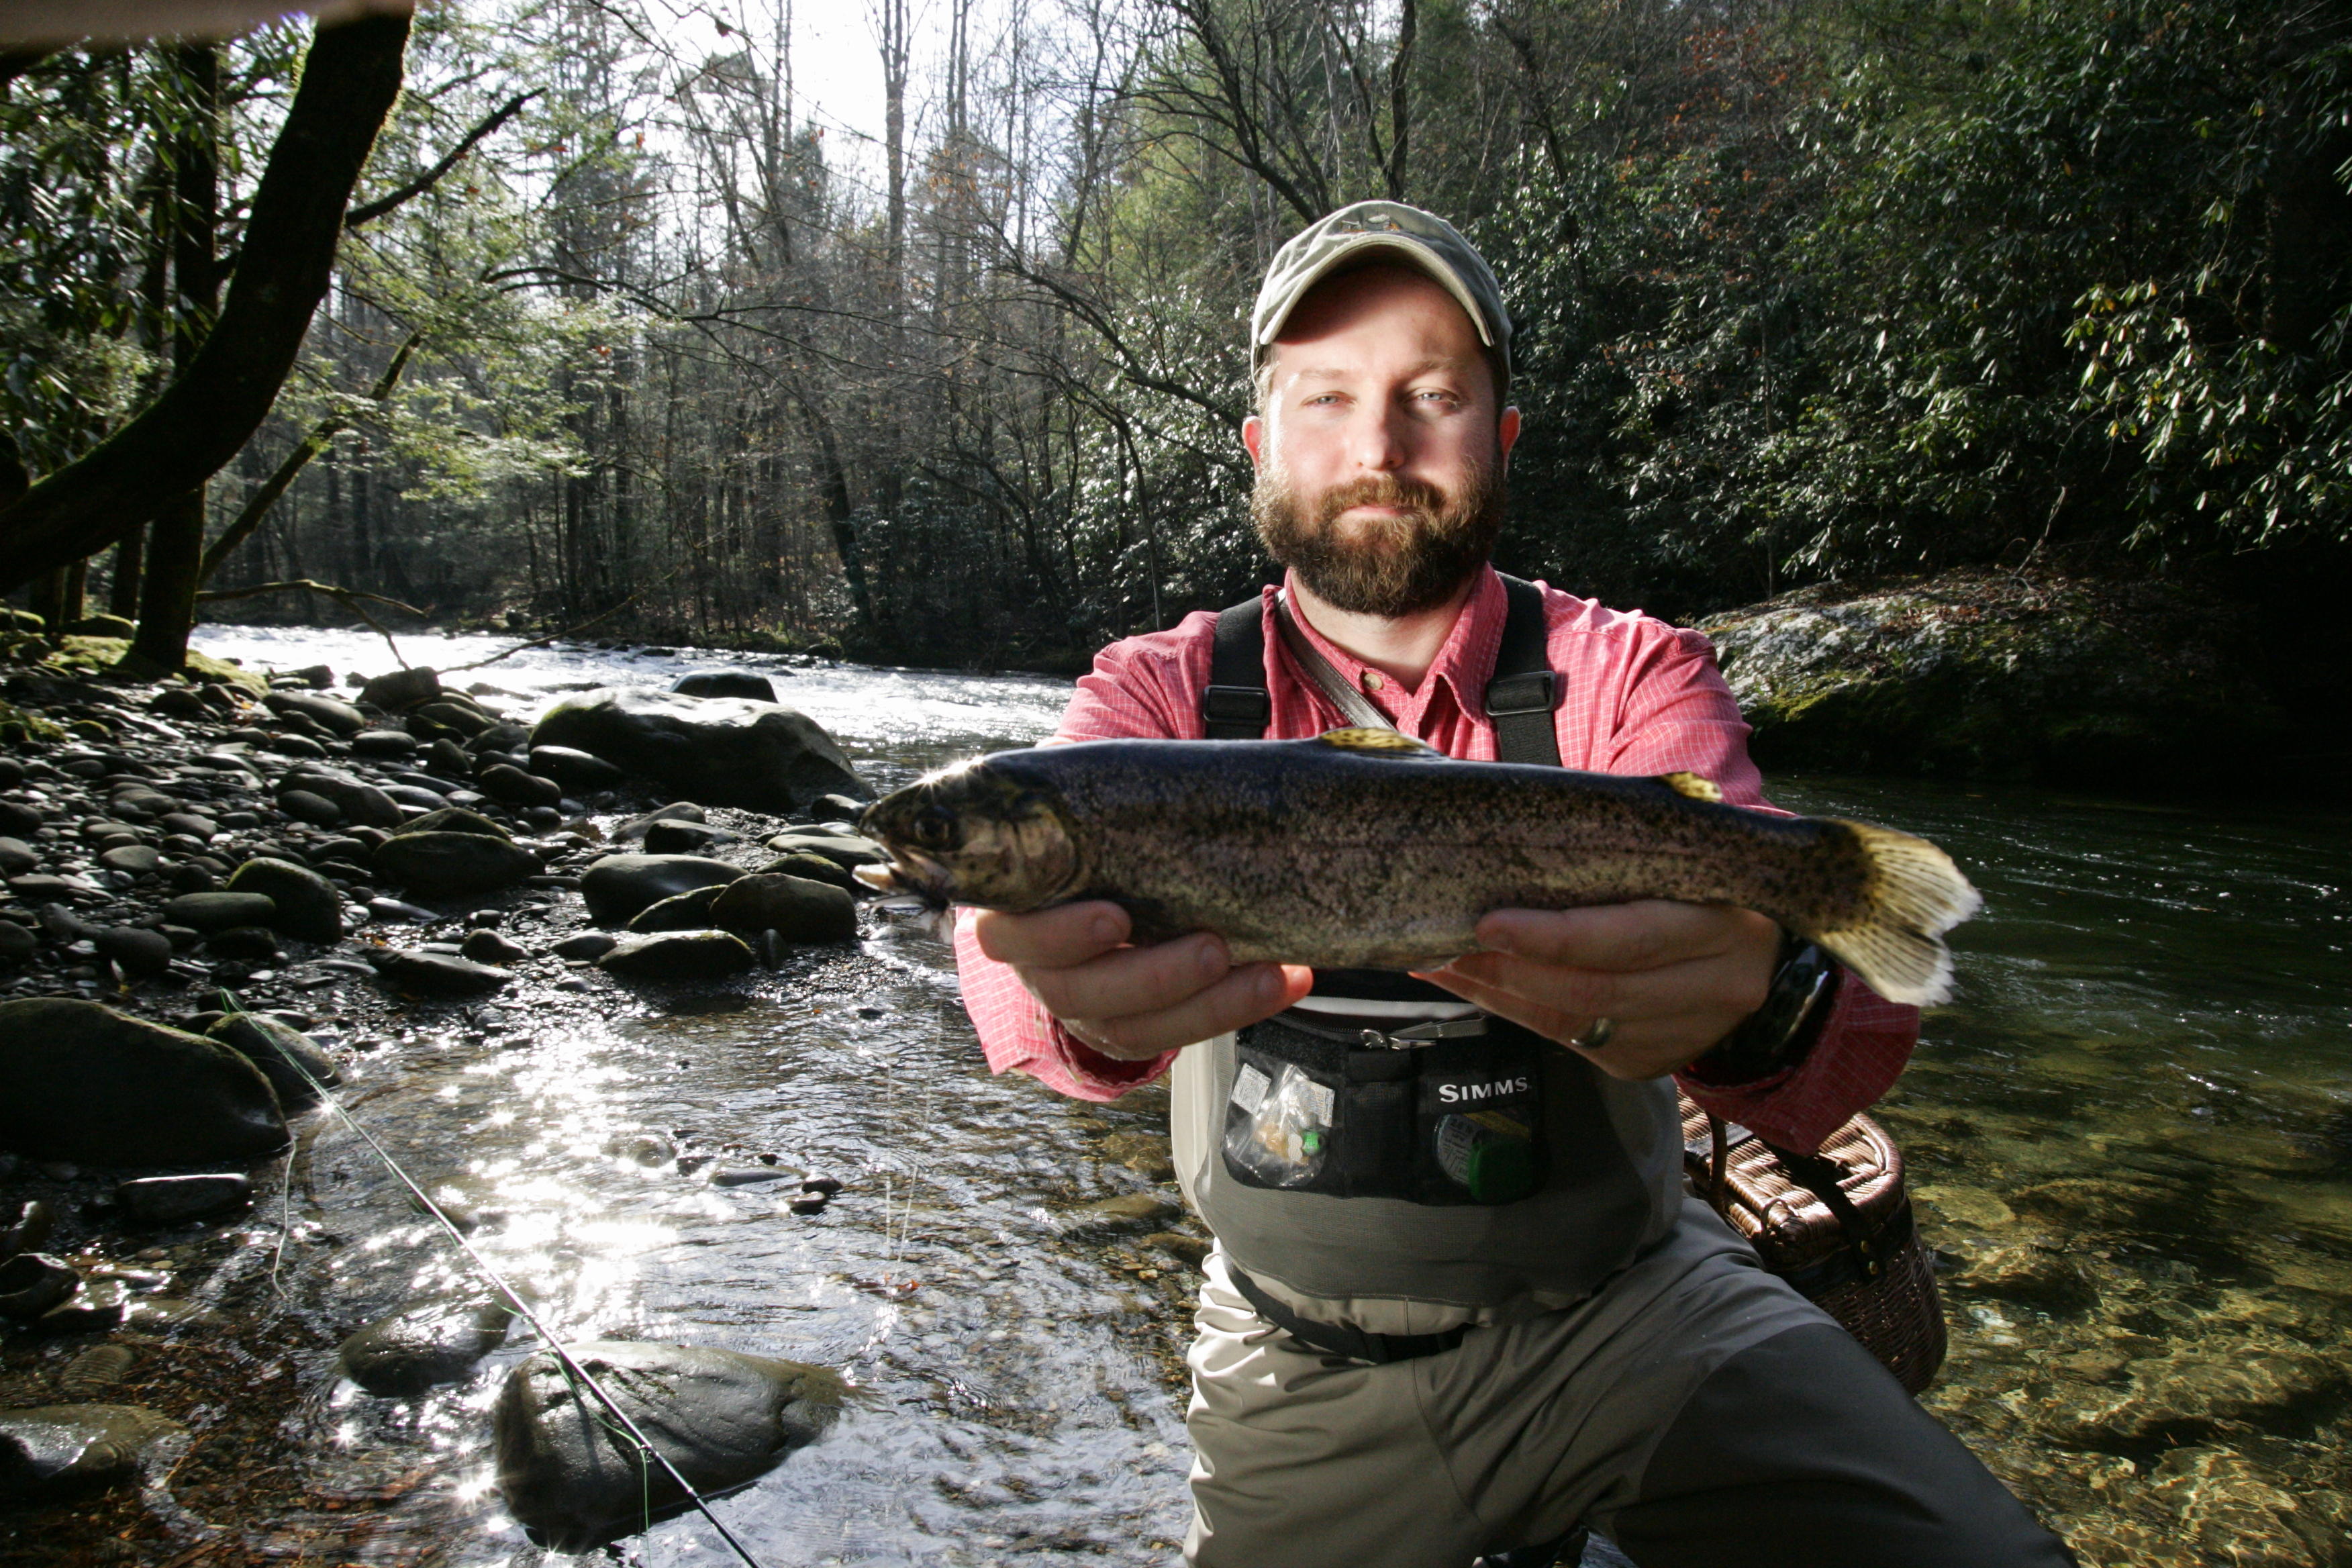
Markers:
1366,849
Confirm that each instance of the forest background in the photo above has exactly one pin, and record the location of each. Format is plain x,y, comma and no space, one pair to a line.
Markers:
1806,290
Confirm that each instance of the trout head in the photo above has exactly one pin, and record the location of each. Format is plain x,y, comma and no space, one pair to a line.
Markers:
972,834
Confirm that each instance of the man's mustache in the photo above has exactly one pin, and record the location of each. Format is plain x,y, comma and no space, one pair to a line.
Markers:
1382,490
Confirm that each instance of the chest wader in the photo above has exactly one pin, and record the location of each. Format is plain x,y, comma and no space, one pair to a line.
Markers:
1472,1151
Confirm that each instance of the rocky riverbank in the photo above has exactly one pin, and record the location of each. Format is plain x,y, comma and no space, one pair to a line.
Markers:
221,893
2000,676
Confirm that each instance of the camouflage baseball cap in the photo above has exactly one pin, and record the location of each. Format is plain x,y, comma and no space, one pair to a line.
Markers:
1407,234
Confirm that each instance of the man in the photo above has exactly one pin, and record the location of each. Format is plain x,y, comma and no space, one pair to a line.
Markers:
1391,1370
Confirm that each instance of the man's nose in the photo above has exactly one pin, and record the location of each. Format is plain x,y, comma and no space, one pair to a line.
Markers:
1380,438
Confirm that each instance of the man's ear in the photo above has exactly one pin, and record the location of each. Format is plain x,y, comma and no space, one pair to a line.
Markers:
1506,433
1254,435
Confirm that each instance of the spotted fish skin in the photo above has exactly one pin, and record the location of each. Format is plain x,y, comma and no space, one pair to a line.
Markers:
1366,849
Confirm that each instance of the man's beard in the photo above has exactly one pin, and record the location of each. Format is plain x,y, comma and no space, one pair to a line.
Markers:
1393,566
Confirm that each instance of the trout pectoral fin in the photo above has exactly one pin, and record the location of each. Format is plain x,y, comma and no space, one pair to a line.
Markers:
1386,741
1695,785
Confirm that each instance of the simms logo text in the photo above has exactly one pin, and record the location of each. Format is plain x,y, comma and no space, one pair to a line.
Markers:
1470,1093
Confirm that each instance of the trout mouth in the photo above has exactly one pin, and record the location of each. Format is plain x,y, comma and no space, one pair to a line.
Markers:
909,874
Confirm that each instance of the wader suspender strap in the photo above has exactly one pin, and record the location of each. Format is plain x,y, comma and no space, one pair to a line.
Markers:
1521,696
1236,705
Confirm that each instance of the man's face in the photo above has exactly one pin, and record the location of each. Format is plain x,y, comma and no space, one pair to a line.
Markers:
1380,451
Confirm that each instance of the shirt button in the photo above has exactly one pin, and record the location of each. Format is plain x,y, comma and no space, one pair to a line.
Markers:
1372,681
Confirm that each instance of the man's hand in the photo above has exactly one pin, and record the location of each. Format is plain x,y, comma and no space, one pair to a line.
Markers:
1672,979
1133,1002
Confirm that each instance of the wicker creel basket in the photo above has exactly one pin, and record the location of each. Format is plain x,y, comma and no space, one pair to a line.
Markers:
1836,1225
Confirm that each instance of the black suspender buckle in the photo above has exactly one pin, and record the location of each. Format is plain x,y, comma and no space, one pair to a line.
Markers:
1249,705
1535,691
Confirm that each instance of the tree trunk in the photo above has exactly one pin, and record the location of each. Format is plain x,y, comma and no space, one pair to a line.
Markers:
175,540
129,567
220,400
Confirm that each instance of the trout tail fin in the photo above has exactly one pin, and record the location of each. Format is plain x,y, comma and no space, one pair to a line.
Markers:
1912,894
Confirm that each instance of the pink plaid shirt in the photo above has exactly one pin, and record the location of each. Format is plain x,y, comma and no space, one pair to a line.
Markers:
1642,697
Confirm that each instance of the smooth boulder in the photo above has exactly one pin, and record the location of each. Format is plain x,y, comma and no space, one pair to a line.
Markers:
679,955
341,718
721,1418
689,910
168,1200
308,907
54,1451
209,912
574,770
445,865
437,973
794,907
618,887
720,750
725,683
423,1345
276,1048
361,803
82,1082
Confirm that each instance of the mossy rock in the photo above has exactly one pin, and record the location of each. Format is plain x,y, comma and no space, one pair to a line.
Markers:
105,655
1985,675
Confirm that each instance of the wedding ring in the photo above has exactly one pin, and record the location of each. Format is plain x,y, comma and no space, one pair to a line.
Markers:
1593,1038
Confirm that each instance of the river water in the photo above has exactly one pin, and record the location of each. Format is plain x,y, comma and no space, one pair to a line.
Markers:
2130,1137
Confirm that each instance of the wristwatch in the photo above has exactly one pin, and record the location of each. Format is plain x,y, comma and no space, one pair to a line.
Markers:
1779,1033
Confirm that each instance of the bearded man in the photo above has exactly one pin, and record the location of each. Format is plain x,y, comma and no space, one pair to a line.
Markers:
1391,1369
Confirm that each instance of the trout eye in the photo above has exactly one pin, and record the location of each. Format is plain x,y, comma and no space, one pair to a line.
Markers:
934,827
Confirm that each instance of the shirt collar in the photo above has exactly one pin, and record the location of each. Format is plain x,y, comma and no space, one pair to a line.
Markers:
1463,666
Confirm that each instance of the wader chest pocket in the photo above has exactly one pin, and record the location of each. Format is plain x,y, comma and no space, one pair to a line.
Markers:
1451,1122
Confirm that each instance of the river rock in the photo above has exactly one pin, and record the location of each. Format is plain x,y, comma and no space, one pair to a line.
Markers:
2037,1276
142,954
168,1200
33,1282
309,806
18,944
576,769
136,859
27,1226
387,746
677,955
2192,1391
399,688
340,718
456,819
274,1045
1128,1211
451,711
437,973
618,886
210,912
689,910
423,1345
636,827
720,750
244,944
82,1082
55,1451
489,947
505,782
684,837
847,851
794,908
360,803
16,857
585,947
725,683
1988,674
308,907
720,1417
448,865
814,868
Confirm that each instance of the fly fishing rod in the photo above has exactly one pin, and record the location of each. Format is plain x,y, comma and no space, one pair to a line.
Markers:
580,1375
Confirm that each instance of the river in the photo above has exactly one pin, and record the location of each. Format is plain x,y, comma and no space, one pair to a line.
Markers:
2130,1136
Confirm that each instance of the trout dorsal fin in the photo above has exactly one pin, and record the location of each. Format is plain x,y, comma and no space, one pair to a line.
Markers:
1697,786
1377,741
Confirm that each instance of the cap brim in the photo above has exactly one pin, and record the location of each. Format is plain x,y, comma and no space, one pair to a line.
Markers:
1422,257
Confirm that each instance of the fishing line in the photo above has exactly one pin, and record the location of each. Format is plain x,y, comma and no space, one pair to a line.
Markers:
580,1376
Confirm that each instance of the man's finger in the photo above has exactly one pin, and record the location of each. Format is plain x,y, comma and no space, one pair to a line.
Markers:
1648,933
1055,937
1251,993
1130,980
